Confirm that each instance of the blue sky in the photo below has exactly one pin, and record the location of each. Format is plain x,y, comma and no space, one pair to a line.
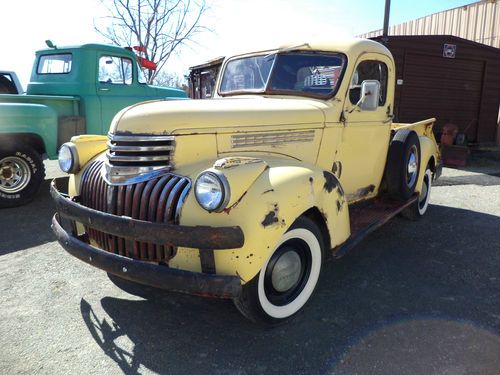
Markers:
238,25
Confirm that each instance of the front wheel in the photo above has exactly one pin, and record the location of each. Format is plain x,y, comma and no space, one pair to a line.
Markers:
288,278
21,174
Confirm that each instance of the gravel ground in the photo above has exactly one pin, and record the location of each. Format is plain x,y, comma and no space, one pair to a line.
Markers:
413,298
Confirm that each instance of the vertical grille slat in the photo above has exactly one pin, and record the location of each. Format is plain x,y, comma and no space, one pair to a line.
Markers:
120,207
155,200
156,250
173,197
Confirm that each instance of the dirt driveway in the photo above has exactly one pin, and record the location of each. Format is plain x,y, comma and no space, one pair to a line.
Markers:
413,298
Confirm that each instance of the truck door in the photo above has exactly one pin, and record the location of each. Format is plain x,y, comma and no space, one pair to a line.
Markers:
365,134
116,87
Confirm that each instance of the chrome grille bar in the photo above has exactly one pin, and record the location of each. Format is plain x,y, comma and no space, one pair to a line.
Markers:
114,147
137,158
113,157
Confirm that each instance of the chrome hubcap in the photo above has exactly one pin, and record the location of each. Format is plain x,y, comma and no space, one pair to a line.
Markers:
15,174
412,167
286,271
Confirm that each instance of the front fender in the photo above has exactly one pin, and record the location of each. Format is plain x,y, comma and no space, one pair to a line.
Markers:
279,195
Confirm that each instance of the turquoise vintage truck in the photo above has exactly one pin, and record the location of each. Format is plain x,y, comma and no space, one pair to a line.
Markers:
72,90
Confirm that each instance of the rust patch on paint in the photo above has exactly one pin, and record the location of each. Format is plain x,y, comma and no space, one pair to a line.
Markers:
270,219
337,168
227,210
331,181
360,193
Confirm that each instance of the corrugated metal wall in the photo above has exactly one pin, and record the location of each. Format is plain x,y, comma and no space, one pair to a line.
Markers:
479,22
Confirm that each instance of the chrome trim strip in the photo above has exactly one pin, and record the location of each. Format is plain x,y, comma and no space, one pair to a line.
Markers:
271,139
140,138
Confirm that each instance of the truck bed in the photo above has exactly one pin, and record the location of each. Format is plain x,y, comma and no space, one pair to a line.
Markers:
423,127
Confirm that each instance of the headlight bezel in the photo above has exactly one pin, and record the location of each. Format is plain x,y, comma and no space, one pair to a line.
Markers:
73,152
225,190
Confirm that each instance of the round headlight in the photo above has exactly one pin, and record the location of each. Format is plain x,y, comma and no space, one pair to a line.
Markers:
68,158
212,191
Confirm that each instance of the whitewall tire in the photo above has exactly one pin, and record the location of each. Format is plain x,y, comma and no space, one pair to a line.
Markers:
288,278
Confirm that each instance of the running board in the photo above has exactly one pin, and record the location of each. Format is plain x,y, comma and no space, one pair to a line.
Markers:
365,217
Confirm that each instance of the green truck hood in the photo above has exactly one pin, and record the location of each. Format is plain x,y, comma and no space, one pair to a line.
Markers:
217,115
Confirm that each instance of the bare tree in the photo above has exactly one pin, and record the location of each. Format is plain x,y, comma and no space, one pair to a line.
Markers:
159,27
172,79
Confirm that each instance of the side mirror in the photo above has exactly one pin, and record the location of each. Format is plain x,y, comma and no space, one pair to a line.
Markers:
370,91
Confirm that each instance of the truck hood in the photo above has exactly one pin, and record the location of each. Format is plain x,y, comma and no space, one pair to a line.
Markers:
219,115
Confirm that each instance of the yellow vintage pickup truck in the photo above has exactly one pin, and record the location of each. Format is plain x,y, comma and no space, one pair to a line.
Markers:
245,196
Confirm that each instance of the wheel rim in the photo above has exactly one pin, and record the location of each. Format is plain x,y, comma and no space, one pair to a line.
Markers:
425,194
412,167
287,272
295,264
15,174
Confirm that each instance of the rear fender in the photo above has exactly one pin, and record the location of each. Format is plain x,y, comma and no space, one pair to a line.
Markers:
25,118
428,154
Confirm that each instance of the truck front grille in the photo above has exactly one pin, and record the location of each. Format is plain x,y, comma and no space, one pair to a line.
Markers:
158,200
132,159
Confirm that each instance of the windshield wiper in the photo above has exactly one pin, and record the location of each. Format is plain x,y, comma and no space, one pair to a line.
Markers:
286,49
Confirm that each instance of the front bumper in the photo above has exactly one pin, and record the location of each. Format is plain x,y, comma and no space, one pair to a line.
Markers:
204,238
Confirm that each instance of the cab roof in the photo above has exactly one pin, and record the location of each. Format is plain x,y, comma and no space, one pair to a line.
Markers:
348,46
88,46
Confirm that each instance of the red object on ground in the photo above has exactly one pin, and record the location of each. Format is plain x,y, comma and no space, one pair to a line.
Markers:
454,156
449,134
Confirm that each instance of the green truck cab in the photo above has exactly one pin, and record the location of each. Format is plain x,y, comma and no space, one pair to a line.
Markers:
72,91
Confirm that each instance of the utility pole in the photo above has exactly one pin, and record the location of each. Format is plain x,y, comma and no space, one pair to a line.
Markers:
385,32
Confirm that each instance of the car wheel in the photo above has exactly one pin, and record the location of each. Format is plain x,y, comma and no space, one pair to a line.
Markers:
419,208
288,278
21,174
403,164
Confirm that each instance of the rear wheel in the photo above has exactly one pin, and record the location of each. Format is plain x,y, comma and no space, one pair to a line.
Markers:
288,278
21,174
403,164
419,208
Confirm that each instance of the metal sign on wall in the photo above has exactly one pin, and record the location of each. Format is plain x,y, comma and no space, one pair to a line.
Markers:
450,51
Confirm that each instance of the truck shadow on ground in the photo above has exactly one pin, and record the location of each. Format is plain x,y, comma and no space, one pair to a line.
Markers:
443,268
29,225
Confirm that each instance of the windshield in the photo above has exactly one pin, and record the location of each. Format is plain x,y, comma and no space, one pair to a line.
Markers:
296,73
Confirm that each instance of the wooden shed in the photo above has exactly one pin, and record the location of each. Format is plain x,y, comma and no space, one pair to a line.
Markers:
450,78
202,78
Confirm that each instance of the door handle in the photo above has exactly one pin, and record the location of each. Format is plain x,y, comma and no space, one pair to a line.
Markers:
104,89
389,118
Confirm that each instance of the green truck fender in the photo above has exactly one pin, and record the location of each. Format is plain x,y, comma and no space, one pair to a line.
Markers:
37,120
